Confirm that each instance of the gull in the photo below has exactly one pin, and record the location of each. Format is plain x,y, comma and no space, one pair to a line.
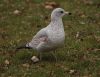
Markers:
52,36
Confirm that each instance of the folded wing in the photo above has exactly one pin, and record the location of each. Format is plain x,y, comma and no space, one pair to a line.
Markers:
40,38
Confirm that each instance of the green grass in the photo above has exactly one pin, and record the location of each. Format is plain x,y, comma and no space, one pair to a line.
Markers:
78,54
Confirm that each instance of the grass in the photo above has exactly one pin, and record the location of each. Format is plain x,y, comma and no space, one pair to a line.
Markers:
81,55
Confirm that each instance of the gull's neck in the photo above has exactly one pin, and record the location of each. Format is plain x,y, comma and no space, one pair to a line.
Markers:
56,23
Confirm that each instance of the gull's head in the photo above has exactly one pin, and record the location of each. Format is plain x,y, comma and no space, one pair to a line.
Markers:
59,13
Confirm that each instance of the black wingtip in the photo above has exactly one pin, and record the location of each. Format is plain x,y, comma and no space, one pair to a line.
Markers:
22,47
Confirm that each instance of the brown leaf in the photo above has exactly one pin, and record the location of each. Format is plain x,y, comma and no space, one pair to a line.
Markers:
26,65
97,38
82,14
96,49
78,34
48,7
17,12
7,62
51,5
72,71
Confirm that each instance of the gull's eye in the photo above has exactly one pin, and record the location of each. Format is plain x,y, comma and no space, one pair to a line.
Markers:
61,12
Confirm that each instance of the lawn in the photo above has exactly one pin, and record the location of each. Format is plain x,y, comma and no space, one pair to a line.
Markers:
80,56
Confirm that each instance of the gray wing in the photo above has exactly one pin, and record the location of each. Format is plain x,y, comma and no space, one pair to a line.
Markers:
40,37
41,33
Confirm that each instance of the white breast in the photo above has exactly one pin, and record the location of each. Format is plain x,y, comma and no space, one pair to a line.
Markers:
56,37
55,32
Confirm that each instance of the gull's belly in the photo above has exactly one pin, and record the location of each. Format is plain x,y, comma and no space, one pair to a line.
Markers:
57,38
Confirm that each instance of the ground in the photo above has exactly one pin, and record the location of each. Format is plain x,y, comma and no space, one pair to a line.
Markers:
80,56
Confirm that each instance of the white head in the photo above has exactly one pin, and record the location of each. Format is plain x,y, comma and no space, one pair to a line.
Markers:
58,13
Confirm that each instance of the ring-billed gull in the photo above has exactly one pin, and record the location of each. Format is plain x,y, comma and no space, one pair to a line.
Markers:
50,37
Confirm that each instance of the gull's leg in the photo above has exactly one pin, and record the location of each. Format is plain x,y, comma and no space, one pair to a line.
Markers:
40,55
54,54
